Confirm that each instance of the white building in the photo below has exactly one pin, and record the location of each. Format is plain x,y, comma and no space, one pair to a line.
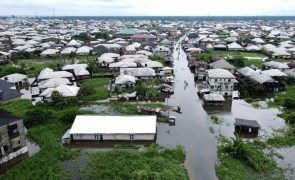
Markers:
94,128
125,81
221,81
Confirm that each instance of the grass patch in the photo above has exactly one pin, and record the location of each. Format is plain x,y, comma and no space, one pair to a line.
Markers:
94,89
46,164
158,58
280,98
152,163
244,160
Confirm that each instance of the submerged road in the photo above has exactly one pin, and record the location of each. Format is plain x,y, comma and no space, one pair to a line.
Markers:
191,128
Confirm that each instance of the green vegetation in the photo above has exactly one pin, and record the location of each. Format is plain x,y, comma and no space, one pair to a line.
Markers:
204,57
215,119
47,163
131,109
158,58
245,160
239,57
235,54
152,163
82,37
6,70
94,89
253,102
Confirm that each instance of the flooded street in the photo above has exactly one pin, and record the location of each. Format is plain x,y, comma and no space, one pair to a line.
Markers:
192,126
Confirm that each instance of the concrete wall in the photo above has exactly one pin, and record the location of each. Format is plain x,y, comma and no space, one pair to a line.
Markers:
114,136
14,143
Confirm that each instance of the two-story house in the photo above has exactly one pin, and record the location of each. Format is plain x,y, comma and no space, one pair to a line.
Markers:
12,136
221,81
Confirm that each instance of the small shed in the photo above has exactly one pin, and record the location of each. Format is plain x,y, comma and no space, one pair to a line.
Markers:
243,126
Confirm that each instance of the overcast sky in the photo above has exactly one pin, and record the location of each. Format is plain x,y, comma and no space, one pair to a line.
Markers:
147,7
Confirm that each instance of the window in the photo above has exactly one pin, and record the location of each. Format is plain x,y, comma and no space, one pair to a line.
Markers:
5,148
97,137
131,136
216,80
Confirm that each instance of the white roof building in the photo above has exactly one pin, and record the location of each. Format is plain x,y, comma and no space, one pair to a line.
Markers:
234,46
84,50
68,50
122,64
220,74
273,73
48,73
114,125
123,79
73,66
74,43
64,90
152,64
15,78
138,72
54,82
49,52
247,71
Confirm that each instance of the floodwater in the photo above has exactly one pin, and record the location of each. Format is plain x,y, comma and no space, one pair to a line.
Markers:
191,128
287,162
192,125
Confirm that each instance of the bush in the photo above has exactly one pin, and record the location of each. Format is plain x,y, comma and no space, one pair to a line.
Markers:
68,115
6,70
239,61
204,57
290,118
37,116
289,104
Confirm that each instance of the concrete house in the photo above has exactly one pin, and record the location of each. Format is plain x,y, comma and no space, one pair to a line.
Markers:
113,128
221,81
13,138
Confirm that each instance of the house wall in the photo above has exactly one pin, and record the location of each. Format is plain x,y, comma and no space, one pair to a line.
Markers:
221,86
13,143
114,137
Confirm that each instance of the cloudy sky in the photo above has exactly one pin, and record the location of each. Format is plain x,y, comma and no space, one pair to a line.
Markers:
147,7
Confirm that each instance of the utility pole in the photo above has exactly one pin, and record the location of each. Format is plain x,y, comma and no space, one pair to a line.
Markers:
53,12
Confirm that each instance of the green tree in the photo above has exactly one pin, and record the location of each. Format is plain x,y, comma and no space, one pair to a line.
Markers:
239,61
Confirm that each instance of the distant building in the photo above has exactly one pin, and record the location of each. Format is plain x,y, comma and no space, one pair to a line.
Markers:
13,138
